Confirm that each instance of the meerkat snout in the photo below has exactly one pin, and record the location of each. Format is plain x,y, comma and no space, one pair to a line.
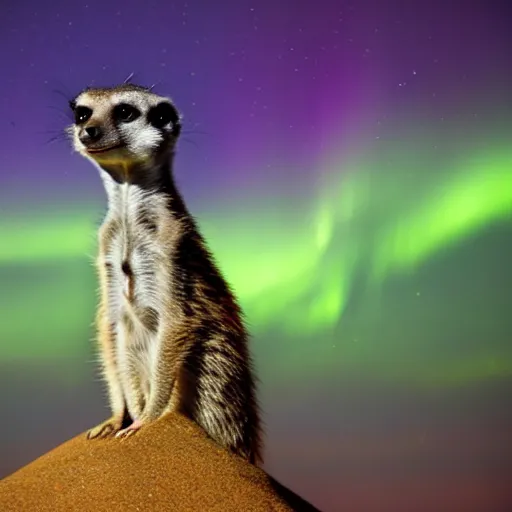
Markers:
91,134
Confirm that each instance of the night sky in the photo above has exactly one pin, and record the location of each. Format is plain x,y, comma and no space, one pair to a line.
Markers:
350,164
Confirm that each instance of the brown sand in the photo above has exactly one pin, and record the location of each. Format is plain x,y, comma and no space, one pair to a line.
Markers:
169,465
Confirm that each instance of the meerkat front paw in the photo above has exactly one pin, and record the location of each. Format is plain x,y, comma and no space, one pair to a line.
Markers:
107,428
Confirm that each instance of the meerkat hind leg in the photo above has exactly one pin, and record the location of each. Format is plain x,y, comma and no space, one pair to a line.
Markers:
129,430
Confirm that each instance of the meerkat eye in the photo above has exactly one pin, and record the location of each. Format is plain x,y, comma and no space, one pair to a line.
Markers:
82,114
125,113
162,114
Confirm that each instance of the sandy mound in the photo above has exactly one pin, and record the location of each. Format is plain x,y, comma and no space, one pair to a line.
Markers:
169,465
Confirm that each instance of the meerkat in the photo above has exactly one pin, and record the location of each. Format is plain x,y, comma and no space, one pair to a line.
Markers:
170,332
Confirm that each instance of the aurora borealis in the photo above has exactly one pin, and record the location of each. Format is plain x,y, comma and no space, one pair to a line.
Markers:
350,165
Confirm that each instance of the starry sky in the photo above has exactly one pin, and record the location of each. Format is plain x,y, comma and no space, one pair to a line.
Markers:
350,165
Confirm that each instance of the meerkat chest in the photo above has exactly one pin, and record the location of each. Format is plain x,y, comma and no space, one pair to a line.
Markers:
136,258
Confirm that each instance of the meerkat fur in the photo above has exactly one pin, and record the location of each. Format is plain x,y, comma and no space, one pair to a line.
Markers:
170,332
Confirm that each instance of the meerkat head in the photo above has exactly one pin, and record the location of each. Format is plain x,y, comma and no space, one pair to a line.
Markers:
124,126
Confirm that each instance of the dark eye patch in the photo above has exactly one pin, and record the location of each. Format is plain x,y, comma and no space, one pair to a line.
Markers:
125,113
163,114
82,114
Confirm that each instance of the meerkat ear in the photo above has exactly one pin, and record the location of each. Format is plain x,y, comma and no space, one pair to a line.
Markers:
72,105
176,130
165,114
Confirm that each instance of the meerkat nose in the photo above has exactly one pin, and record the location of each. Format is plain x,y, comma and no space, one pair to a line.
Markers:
92,134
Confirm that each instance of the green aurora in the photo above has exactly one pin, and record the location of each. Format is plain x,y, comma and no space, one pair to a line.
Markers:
295,278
